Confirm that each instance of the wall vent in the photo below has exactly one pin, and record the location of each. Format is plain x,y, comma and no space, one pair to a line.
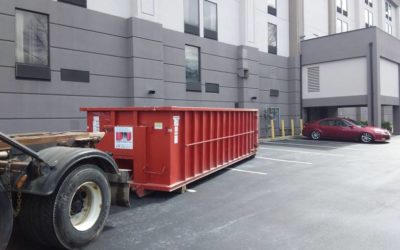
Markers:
313,79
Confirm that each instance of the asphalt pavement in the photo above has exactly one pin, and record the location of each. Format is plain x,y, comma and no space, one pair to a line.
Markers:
296,194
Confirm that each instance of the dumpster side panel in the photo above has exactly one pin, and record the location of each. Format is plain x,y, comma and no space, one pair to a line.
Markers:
172,147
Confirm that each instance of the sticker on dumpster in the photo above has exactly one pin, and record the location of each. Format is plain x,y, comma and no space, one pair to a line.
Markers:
158,126
123,137
176,129
96,124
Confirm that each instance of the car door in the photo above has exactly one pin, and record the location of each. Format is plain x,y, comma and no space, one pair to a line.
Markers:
345,130
327,128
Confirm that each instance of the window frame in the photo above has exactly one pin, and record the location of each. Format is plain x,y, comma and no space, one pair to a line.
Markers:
273,49
272,10
342,7
207,32
80,3
193,86
32,71
369,3
368,18
189,28
388,11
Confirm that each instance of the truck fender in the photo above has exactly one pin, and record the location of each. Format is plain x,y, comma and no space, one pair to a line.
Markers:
63,160
6,218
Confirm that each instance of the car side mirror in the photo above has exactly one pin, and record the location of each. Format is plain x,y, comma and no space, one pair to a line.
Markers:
351,126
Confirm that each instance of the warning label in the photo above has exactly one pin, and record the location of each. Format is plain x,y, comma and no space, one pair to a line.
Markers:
123,137
96,124
176,128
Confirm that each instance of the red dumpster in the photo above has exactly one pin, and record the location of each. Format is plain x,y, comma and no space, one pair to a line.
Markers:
168,147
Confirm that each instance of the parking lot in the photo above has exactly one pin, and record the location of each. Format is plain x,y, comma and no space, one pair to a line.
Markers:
296,194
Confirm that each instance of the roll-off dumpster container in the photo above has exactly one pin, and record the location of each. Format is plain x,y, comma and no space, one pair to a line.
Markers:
168,147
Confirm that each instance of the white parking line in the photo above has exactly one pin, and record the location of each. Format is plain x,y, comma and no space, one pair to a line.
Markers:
273,159
247,171
308,145
301,152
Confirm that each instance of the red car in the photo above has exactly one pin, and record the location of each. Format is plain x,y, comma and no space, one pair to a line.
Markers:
344,128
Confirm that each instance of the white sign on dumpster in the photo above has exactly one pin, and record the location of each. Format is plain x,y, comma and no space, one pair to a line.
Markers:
176,128
123,137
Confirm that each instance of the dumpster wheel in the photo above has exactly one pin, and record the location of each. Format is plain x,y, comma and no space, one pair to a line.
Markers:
73,215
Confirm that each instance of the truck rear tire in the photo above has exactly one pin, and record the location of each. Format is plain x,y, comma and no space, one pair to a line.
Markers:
73,215
6,219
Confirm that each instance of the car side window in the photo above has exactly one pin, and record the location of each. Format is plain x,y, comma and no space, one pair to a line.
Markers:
327,123
340,123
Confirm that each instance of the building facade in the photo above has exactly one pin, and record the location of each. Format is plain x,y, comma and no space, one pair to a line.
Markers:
350,65
58,56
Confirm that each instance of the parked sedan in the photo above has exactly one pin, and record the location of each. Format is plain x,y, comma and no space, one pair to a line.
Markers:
343,128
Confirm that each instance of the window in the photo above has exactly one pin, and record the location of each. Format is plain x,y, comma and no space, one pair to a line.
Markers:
210,20
81,3
388,28
345,27
388,11
192,59
369,3
191,9
272,7
368,16
338,25
341,7
272,39
341,26
32,45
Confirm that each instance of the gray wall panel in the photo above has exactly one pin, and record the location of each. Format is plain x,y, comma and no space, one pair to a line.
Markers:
7,27
145,29
98,86
174,56
147,68
338,46
147,49
41,125
177,90
142,86
173,38
7,7
95,63
70,15
55,106
217,63
173,73
83,40
194,103
7,53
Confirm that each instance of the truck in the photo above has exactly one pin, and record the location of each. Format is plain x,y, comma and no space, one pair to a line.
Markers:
57,188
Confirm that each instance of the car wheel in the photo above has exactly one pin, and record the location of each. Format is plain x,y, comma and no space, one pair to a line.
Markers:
315,135
366,137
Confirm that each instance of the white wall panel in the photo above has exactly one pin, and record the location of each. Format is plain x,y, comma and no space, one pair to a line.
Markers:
389,78
339,79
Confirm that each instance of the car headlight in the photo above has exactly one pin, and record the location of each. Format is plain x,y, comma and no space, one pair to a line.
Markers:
380,131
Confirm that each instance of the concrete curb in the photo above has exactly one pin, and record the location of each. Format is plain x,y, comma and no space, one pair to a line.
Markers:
263,140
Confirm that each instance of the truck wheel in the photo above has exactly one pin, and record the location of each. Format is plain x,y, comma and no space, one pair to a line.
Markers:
6,219
73,215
